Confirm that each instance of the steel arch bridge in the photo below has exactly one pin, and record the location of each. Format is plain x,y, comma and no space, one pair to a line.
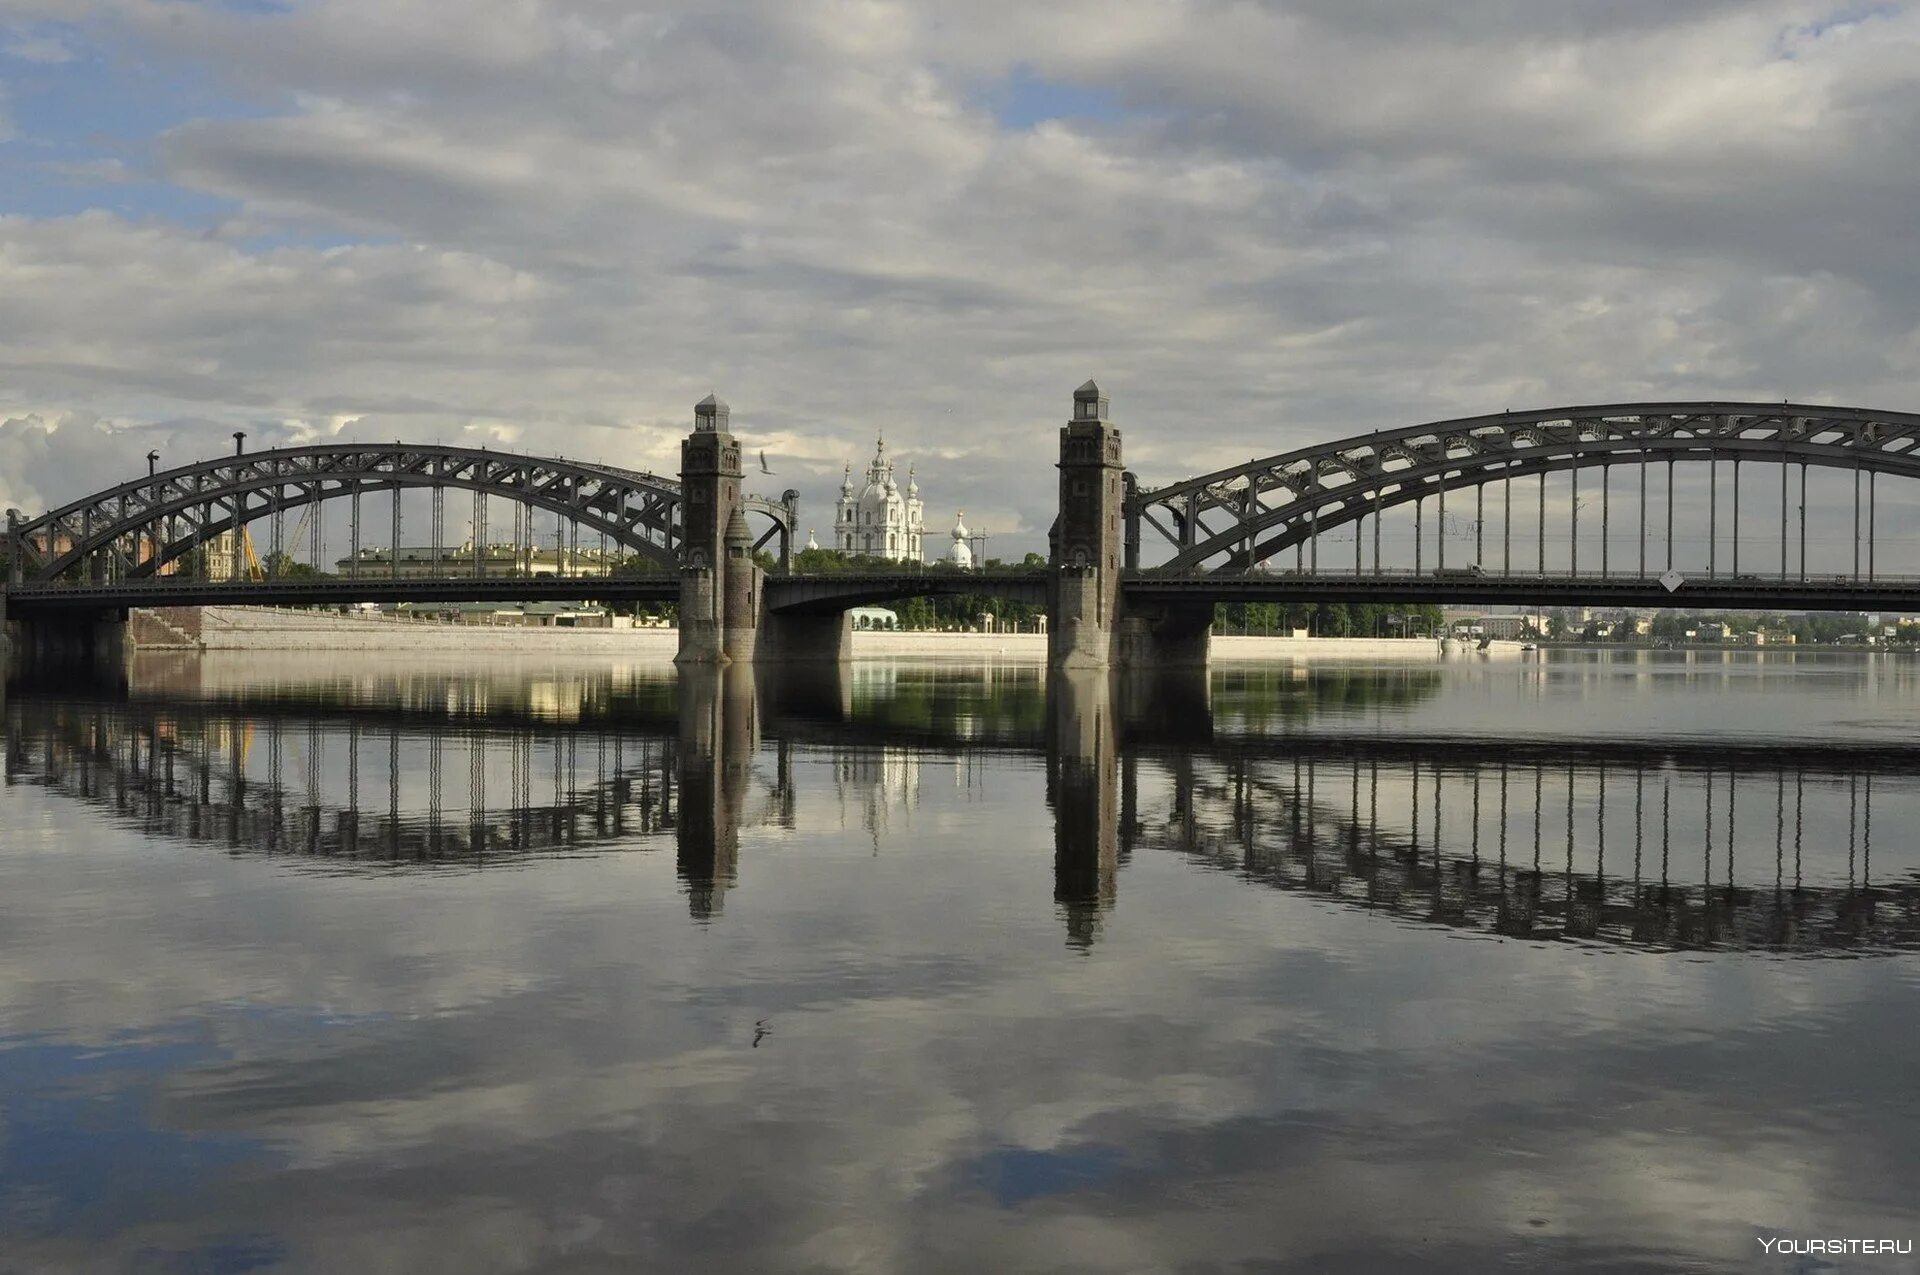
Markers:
137,529
1233,519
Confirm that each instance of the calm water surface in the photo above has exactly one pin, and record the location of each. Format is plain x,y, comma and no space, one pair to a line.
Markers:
1607,962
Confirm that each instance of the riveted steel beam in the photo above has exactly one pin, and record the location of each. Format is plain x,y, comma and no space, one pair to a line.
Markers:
1277,502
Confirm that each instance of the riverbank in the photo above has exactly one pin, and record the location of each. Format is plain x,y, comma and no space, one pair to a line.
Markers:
188,629
265,629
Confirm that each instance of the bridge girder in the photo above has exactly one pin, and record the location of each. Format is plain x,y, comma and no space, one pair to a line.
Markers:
172,512
1274,503
826,595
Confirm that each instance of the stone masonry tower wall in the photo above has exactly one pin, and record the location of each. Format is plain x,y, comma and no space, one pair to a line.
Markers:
710,499
1087,538
740,598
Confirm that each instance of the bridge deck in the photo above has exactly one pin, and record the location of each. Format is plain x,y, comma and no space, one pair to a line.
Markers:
168,592
829,593
1723,592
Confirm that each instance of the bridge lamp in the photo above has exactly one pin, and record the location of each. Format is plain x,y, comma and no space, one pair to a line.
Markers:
153,463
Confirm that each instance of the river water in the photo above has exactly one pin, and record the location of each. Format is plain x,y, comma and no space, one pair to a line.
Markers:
1597,961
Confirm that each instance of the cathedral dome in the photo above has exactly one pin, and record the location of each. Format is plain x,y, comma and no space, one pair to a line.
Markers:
960,552
879,521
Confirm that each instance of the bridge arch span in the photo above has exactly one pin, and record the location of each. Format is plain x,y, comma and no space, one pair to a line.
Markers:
139,527
1234,518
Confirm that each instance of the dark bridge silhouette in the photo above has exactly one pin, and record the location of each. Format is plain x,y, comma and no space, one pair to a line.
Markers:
1134,571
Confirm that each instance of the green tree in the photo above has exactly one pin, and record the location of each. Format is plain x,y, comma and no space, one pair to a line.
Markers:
280,566
1671,626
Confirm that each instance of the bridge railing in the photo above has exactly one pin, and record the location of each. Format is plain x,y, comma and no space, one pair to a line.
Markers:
1470,574
320,584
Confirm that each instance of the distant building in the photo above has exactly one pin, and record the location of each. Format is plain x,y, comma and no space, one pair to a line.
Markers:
1512,626
879,521
874,618
501,560
223,556
960,552
1621,621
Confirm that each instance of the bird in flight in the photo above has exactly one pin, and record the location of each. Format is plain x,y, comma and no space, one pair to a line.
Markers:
763,463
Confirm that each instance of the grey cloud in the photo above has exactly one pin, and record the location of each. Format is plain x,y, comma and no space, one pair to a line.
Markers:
1308,219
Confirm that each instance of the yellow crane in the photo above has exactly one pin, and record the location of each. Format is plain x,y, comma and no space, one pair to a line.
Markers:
250,557
254,569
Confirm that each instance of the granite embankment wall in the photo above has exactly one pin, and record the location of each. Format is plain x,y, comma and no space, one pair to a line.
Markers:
1232,646
273,629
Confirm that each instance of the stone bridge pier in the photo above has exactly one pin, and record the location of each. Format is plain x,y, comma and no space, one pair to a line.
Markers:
720,584
1091,625
79,641
724,613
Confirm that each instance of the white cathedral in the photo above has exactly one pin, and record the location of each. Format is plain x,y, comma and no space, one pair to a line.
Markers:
880,521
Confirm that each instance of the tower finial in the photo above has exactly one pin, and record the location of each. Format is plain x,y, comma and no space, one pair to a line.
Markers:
710,414
1089,403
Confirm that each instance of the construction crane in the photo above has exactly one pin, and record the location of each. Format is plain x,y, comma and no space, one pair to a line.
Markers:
253,568
250,557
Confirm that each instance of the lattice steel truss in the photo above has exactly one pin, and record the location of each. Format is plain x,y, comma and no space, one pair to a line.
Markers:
1234,518
138,528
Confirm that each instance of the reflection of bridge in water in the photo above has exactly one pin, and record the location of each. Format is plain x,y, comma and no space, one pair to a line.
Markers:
351,787
1681,846
1676,846
1503,854
195,777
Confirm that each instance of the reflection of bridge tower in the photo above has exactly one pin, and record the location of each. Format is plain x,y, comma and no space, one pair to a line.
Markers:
1084,781
719,734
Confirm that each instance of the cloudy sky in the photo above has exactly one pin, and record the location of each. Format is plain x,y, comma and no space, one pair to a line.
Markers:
554,224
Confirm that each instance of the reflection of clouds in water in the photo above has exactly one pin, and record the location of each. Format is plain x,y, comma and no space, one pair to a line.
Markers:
568,1033
502,1069
79,1132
